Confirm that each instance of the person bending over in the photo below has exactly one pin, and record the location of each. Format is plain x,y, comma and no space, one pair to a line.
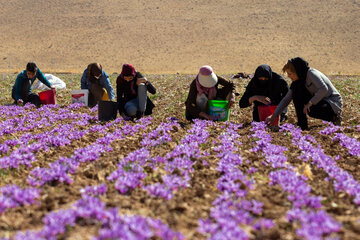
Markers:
206,86
313,94
21,91
96,80
265,88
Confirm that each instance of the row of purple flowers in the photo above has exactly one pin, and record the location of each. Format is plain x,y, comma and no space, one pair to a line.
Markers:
61,169
315,223
179,163
342,180
91,210
27,118
231,209
347,142
114,225
182,158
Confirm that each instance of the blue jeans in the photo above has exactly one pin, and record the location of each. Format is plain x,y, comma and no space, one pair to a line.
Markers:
137,104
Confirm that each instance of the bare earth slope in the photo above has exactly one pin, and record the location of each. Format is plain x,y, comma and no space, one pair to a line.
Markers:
179,36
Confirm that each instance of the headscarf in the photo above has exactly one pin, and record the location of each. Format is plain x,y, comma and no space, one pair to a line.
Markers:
127,70
301,68
94,72
263,71
261,87
210,92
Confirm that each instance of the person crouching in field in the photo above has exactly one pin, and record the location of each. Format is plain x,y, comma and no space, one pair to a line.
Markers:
206,87
265,88
131,90
96,80
21,91
312,93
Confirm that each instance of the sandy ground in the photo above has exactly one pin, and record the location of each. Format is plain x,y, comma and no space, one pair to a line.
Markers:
162,36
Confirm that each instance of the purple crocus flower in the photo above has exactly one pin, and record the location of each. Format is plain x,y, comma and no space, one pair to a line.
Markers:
13,196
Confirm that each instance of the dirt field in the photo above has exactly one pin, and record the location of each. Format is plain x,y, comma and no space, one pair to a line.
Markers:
162,38
189,204
180,36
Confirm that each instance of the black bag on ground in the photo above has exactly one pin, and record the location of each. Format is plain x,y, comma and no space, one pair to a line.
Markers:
107,110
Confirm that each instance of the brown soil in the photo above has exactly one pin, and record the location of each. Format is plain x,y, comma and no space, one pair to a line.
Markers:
188,205
179,36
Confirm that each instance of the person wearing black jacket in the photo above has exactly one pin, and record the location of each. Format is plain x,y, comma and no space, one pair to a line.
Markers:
132,88
265,88
206,86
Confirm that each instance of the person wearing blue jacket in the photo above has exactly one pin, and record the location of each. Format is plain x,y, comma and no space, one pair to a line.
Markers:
97,81
21,91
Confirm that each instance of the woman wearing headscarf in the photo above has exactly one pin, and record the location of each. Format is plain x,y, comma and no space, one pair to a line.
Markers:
206,86
96,80
132,88
265,88
21,91
312,93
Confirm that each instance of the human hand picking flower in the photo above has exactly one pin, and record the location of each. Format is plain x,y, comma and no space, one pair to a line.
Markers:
230,104
307,108
263,99
270,119
206,116
231,101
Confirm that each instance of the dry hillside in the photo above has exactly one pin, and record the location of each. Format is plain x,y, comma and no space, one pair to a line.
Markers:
168,36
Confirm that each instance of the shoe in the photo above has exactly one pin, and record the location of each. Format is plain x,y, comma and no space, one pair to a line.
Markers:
337,119
139,115
303,126
283,117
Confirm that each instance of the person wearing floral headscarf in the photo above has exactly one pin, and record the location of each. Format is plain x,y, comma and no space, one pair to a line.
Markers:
206,86
96,80
131,89
313,94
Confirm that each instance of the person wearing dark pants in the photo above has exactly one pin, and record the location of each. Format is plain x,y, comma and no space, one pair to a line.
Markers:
312,93
265,88
207,86
21,91
131,89
96,80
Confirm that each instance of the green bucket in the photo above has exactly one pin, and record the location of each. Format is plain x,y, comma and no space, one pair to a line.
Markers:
219,109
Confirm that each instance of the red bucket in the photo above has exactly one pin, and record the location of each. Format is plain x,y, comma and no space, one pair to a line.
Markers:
266,111
48,97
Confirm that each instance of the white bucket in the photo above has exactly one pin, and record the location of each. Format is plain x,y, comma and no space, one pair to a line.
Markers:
80,96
